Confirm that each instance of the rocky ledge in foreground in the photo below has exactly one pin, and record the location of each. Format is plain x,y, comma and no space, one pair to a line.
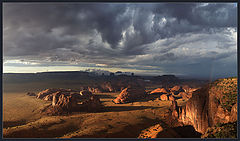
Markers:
65,101
209,106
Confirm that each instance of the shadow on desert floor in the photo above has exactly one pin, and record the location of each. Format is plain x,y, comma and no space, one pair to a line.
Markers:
105,96
181,132
126,108
7,124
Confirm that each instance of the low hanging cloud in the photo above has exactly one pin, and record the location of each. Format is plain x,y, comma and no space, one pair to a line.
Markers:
166,36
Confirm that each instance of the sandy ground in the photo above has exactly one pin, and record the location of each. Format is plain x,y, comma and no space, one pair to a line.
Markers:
21,118
18,107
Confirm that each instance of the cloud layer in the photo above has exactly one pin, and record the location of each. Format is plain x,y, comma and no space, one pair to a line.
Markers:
184,39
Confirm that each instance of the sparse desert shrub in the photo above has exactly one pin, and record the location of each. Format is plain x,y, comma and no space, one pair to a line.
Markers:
227,130
228,88
230,99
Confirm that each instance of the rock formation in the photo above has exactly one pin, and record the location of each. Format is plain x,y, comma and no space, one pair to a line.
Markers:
151,132
65,101
174,93
48,93
192,90
210,105
233,114
93,104
48,98
172,98
164,97
109,87
67,104
63,104
95,89
130,94
31,94
176,89
114,85
159,91
174,110
195,112
185,95
85,93
186,88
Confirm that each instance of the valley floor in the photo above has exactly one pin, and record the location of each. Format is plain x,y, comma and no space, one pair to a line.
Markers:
22,118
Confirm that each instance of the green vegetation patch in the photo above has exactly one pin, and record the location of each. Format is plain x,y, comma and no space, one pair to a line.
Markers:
228,87
227,130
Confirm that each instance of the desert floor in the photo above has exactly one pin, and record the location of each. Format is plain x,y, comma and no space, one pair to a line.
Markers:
22,118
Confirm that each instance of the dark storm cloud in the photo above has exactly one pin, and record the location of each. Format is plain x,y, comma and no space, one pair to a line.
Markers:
208,15
113,34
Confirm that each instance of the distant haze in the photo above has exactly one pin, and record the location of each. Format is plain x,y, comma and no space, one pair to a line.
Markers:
197,40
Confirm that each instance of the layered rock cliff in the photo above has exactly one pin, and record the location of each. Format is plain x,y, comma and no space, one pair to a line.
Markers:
210,105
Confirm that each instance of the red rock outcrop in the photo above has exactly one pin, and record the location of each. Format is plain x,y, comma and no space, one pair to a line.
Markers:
159,91
85,93
95,89
184,95
62,105
31,94
46,92
207,106
233,114
48,98
55,97
164,97
66,104
192,90
51,91
222,115
109,87
195,112
174,93
130,94
186,88
65,101
177,89
93,104
172,98
174,110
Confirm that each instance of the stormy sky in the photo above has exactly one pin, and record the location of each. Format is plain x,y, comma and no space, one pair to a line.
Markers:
187,39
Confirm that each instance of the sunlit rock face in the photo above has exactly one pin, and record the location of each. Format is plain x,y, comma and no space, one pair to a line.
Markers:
234,112
164,97
172,98
48,93
159,91
177,89
130,94
85,93
66,101
176,92
66,104
195,112
212,104
95,89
